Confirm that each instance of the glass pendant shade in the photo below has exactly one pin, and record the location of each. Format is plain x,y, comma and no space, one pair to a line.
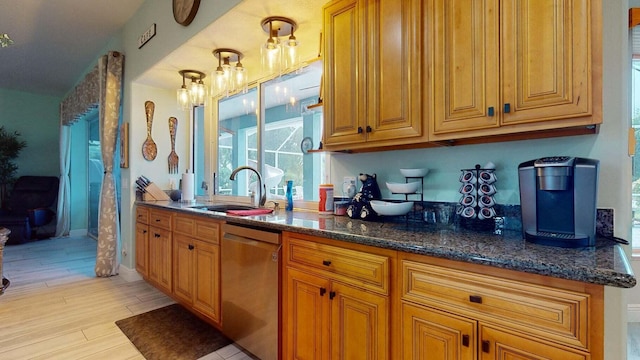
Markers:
184,101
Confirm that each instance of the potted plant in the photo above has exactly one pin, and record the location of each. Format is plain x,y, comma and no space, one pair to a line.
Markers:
10,147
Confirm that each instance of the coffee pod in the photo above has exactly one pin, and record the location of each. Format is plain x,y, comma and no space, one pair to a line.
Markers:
487,177
468,200
486,201
489,165
459,209
469,213
468,177
467,188
486,213
487,189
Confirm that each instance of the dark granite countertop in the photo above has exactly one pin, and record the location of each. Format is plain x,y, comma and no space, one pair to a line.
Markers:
605,264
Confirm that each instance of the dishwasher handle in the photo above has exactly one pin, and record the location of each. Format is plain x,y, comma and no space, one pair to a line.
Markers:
274,248
251,233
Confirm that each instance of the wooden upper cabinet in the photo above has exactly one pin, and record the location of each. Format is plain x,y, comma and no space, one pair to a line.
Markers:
344,108
373,74
513,66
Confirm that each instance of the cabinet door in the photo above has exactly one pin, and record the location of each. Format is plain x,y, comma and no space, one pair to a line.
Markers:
436,335
465,62
344,88
394,75
305,316
142,249
497,344
359,324
160,258
206,296
546,60
183,266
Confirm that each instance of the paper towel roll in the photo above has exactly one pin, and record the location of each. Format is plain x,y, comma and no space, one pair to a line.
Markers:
187,186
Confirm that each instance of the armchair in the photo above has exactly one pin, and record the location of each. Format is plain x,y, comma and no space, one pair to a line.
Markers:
30,207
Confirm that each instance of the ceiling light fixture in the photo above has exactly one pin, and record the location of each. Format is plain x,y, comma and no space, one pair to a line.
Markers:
5,40
196,94
227,78
275,57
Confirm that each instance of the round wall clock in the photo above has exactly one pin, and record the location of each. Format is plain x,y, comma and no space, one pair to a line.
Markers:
306,145
184,11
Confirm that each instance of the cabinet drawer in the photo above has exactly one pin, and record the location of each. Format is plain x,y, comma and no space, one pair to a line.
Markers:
142,215
204,229
366,270
558,315
160,219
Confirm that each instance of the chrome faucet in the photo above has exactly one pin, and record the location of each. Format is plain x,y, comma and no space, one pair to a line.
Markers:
262,189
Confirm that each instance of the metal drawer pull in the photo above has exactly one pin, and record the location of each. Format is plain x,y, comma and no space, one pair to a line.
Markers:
507,108
360,130
332,294
465,340
486,346
191,247
326,262
322,291
156,235
490,111
475,299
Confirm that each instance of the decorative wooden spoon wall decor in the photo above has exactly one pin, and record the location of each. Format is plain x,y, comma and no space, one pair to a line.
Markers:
149,148
173,157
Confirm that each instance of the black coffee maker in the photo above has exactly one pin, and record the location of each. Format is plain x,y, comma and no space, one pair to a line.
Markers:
558,200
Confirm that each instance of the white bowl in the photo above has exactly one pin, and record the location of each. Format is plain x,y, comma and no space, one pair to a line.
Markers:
391,208
414,172
404,188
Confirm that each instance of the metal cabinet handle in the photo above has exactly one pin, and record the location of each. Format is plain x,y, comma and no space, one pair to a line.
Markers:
360,130
156,235
369,129
507,108
323,291
486,346
475,299
332,294
144,231
326,262
490,111
465,340
191,247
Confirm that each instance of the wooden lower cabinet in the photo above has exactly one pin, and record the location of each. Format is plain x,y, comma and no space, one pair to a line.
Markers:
330,320
431,334
196,270
437,335
503,345
142,246
160,254
329,312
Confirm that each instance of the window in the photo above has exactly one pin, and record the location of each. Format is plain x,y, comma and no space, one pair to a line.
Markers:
270,137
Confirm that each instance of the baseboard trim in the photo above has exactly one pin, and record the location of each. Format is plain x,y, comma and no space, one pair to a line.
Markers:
633,313
128,274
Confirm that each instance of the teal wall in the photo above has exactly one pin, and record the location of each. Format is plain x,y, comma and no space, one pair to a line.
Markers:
36,118
78,176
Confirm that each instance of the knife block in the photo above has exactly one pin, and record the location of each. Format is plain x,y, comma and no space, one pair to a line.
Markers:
153,192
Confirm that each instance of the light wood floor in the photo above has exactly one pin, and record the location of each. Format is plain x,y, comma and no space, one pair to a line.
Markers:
55,307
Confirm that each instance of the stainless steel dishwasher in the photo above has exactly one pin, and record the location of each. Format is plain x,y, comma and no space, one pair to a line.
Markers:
250,265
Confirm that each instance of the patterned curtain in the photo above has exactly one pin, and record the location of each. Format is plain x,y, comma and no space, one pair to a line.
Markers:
111,68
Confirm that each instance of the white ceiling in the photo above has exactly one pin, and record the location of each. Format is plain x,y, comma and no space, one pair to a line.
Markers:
57,41
239,29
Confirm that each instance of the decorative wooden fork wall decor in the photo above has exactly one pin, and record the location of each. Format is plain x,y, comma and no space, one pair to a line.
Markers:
173,157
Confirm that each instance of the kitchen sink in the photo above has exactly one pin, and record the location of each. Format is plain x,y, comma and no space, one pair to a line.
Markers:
224,207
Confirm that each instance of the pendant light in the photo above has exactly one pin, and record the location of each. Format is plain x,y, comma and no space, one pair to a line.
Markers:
195,94
275,58
228,78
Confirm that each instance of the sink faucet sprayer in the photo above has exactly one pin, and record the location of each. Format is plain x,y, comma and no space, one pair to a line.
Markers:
262,189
